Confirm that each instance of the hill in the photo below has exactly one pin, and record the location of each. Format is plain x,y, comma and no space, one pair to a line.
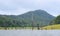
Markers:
9,22
56,20
40,17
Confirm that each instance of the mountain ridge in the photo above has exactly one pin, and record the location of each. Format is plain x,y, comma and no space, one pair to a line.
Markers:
40,17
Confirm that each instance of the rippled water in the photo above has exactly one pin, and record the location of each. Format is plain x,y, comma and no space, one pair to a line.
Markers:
29,32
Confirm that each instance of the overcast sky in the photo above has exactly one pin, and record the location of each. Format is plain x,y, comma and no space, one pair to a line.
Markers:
16,7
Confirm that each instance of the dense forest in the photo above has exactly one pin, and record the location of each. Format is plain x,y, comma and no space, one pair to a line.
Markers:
40,17
56,20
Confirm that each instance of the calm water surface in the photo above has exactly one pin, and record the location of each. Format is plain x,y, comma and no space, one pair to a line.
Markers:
29,32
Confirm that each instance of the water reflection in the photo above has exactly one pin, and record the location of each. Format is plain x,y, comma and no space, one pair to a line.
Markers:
29,32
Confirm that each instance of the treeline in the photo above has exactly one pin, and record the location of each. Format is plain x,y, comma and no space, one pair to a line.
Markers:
10,22
56,20
40,17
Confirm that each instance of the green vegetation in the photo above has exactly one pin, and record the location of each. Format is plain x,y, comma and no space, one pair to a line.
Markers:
55,24
40,17
17,28
41,20
56,20
9,22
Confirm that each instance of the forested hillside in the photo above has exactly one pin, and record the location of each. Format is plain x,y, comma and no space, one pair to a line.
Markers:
56,20
40,17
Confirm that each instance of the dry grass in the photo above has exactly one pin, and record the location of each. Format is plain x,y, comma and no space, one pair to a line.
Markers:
52,27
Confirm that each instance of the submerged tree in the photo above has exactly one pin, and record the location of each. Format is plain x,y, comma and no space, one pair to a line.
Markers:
38,26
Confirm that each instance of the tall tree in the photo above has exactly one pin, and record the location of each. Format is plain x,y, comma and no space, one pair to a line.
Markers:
57,20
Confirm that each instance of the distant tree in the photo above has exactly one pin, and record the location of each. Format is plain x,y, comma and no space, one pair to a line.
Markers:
57,20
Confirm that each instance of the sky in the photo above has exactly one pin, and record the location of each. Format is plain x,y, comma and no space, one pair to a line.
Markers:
17,7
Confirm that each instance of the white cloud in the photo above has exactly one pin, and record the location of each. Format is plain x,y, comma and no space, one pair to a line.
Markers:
22,6
18,11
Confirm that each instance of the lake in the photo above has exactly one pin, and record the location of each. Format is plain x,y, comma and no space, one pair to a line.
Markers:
29,32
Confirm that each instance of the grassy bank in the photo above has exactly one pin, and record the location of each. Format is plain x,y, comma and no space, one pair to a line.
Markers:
52,27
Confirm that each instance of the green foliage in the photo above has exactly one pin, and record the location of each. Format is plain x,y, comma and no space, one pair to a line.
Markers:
9,22
57,20
41,17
